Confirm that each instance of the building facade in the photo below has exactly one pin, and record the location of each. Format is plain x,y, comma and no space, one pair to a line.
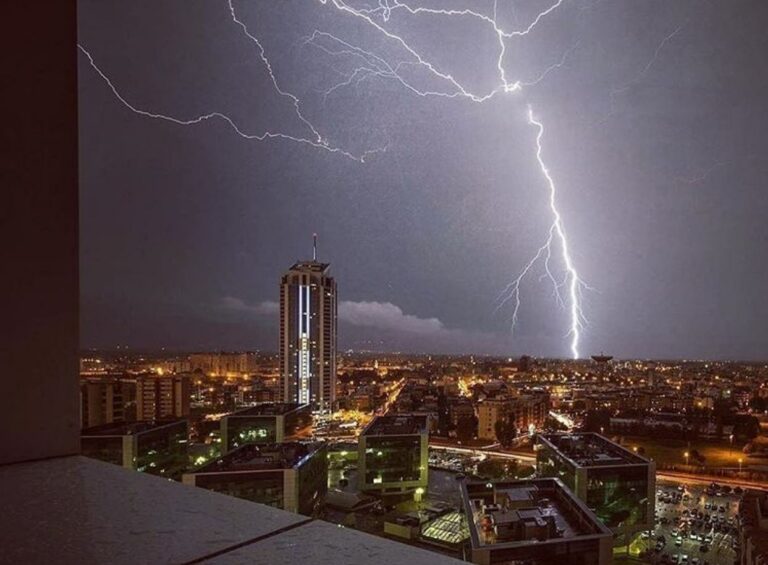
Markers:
308,327
526,412
617,484
162,397
393,455
264,424
292,476
149,447
224,363
106,400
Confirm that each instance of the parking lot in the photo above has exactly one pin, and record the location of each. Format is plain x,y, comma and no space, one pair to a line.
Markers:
694,525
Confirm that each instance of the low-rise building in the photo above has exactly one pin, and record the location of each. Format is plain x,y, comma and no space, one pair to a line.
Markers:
393,455
616,484
157,448
273,422
536,522
292,476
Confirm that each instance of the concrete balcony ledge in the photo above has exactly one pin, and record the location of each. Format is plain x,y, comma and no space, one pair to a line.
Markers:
79,510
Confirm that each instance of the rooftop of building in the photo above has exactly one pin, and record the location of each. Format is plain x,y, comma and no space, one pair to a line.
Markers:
311,267
396,425
753,513
269,409
251,457
587,449
516,513
128,428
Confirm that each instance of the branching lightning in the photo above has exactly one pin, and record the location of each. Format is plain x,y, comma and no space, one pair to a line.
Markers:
369,65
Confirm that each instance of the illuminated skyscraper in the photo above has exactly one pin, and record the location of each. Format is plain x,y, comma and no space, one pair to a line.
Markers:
308,335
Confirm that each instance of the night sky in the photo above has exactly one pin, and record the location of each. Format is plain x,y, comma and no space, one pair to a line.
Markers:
656,131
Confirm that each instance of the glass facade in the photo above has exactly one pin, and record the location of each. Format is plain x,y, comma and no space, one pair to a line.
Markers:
551,463
264,487
390,459
162,450
619,495
297,420
104,448
251,429
312,481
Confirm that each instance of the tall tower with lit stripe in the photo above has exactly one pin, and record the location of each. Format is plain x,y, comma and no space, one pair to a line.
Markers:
308,334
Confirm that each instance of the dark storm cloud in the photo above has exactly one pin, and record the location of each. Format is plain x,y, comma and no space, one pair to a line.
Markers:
656,148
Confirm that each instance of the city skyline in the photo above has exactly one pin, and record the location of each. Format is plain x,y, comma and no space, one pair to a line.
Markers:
659,180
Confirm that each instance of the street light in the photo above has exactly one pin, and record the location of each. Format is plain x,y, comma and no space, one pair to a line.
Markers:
730,449
740,460
686,455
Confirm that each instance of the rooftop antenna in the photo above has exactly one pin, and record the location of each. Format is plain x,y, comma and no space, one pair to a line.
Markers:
314,247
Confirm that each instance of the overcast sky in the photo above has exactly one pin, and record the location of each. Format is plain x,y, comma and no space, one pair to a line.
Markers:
656,133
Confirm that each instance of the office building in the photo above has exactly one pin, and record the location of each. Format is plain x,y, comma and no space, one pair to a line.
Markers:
265,423
535,522
149,447
616,484
308,335
292,476
393,455
162,397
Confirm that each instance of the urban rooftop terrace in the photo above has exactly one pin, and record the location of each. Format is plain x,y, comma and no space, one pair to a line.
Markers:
588,449
521,512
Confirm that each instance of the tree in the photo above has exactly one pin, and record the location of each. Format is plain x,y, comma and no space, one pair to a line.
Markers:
597,421
698,457
505,430
466,428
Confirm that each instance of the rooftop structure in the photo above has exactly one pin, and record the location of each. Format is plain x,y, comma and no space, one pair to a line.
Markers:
532,521
591,450
254,457
394,425
267,409
602,358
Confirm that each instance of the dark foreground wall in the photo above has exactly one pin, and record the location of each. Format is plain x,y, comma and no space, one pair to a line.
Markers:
39,412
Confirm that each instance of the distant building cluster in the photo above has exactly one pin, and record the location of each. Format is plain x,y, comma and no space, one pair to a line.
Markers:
497,460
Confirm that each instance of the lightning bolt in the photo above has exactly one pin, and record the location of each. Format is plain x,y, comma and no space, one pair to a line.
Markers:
372,65
315,140
617,91
369,65
573,282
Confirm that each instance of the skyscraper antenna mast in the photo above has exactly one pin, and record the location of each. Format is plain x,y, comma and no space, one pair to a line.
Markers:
314,247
